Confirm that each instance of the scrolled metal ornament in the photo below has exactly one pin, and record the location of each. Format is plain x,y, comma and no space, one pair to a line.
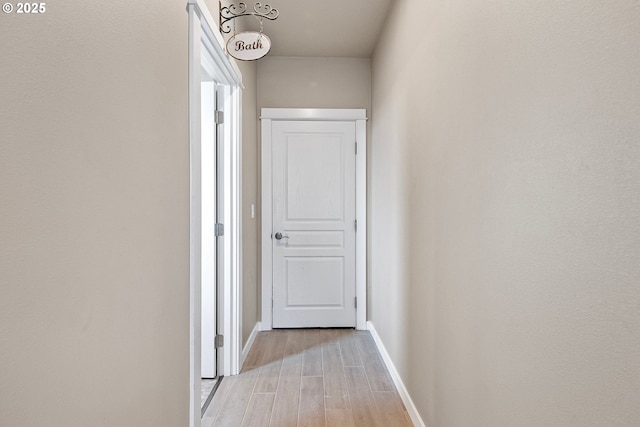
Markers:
227,13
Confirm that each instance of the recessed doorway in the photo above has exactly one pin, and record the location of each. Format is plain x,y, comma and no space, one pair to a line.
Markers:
313,218
215,85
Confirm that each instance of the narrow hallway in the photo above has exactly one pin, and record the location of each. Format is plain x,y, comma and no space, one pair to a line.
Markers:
309,377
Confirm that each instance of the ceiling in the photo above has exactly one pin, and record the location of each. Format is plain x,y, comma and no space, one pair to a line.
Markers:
343,28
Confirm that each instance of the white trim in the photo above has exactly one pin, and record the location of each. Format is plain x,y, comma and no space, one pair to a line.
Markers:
361,218
311,114
228,70
249,344
232,274
232,321
267,256
395,376
194,220
268,115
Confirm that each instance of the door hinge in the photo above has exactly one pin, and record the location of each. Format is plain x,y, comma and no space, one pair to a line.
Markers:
355,224
218,229
219,341
219,117
356,148
356,302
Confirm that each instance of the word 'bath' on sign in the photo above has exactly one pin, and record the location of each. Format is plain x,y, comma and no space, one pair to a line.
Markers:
248,46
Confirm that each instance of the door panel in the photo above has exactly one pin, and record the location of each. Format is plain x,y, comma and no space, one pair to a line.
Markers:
314,178
314,282
314,210
212,212
208,240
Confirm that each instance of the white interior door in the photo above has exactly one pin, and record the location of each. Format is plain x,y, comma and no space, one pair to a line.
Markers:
209,212
314,230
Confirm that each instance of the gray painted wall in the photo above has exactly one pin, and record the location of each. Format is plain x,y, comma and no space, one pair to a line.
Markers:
505,210
285,82
250,189
94,195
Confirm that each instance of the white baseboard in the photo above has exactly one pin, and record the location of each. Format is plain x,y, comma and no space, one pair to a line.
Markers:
247,347
402,390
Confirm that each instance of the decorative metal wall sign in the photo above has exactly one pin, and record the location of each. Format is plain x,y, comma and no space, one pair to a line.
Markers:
249,45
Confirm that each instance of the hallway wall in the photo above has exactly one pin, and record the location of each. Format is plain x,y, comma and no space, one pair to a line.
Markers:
94,195
505,210
301,82
250,189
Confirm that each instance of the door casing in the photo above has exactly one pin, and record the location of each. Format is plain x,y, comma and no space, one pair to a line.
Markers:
358,116
206,50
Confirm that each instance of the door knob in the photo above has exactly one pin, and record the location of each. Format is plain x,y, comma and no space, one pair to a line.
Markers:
280,236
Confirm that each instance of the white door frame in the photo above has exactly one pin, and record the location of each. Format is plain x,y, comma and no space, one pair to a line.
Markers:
268,116
206,51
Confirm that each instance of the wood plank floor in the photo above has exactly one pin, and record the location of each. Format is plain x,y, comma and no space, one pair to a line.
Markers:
309,377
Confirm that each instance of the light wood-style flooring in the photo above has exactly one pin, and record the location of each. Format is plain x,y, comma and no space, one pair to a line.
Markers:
309,377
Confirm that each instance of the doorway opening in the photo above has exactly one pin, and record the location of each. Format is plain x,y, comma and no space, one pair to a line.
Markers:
314,219
212,200
215,85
